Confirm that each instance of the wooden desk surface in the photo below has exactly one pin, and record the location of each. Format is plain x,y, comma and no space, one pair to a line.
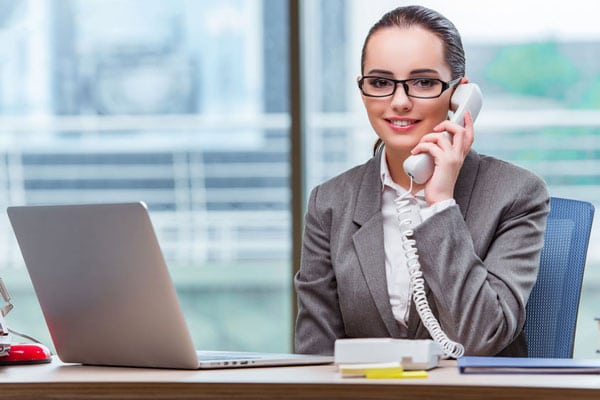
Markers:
68,381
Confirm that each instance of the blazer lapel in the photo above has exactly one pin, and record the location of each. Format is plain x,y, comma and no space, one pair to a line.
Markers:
462,196
368,243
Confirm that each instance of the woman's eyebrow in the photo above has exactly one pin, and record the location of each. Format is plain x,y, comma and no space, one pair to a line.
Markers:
423,71
412,73
380,72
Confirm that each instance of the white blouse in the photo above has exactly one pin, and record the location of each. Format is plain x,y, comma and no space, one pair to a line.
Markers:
396,270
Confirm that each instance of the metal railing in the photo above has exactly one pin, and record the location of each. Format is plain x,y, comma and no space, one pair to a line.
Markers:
68,159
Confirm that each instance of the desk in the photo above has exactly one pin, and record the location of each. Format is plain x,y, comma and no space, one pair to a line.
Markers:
68,381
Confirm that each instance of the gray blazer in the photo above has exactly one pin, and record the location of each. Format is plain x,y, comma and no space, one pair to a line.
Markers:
479,260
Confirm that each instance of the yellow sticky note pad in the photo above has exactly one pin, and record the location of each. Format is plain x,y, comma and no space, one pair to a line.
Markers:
392,374
384,372
391,370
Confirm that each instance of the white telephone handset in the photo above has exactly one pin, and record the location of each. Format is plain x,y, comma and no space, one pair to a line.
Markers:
466,97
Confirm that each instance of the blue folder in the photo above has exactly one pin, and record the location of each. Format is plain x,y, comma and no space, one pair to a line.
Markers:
517,365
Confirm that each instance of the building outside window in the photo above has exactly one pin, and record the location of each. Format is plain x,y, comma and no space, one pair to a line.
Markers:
185,105
179,104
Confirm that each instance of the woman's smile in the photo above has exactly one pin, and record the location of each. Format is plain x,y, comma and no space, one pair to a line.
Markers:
401,124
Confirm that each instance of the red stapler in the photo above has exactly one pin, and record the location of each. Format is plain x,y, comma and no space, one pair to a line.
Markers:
26,353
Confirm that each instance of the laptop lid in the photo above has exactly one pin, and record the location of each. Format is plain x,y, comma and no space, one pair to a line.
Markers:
103,285
105,291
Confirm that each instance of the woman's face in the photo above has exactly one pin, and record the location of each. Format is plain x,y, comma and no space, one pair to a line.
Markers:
403,53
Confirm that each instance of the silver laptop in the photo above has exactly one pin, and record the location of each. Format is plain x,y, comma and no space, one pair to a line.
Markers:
106,293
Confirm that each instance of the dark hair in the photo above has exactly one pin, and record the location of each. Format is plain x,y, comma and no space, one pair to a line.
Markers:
404,17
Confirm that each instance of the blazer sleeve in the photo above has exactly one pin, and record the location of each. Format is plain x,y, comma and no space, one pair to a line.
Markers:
480,274
319,320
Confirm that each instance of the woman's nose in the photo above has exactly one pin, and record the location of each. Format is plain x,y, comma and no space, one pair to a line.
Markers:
400,99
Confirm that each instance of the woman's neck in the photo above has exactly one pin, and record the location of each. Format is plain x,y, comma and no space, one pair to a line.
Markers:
395,163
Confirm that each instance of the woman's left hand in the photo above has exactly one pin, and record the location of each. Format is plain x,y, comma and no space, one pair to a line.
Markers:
448,156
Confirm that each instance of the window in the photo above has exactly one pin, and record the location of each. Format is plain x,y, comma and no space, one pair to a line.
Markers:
535,62
183,105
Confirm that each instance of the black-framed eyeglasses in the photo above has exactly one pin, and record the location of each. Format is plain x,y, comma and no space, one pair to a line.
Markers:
420,88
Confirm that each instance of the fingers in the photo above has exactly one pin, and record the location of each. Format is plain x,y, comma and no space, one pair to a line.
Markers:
469,134
462,138
442,140
449,140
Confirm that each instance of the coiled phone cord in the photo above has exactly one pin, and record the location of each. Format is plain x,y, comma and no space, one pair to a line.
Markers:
417,283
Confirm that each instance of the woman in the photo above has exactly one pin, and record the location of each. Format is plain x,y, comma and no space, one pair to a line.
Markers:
477,224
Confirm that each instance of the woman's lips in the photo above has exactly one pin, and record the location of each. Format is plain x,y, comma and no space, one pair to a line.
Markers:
402,125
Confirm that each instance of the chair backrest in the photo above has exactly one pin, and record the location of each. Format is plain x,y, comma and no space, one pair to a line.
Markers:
554,300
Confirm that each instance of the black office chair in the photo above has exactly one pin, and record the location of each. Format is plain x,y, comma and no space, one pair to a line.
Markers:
554,301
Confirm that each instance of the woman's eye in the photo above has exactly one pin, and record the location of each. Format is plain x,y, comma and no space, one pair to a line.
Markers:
425,83
379,83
